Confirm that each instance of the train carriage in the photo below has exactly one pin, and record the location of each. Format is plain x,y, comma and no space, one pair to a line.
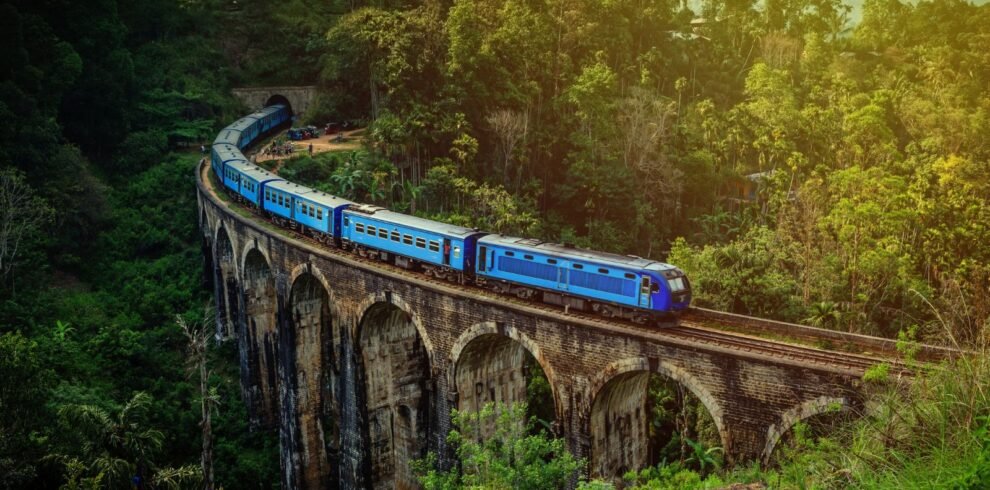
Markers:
232,172
279,197
614,285
247,127
270,117
228,136
322,213
253,180
223,153
441,249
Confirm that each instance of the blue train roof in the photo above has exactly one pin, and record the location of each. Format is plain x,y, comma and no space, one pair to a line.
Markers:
267,111
290,188
227,152
241,166
263,112
242,123
556,249
261,175
330,201
387,216
227,135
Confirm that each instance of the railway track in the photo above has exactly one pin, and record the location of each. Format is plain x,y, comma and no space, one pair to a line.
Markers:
804,354
687,330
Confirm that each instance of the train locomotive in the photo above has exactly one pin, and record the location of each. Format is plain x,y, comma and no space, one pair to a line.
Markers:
610,285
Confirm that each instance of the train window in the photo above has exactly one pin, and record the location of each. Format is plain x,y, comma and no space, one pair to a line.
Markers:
312,212
319,213
551,261
268,195
358,227
383,233
421,243
396,236
407,239
434,246
528,257
280,203
655,288
603,271
372,230
578,266
510,254
347,221
630,275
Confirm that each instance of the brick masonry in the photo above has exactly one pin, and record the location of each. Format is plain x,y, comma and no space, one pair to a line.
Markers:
361,365
300,98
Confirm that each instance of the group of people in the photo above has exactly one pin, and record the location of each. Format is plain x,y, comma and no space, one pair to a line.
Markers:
279,147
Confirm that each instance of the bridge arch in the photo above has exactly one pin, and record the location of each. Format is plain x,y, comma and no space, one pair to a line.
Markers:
225,278
260,337
394,359
305,268
805,410
310,434
204,224
618,404
488,364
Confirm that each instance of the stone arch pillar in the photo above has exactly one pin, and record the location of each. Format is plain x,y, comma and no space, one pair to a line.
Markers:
225,278
308,433
489,366
257,344
619,417
396,397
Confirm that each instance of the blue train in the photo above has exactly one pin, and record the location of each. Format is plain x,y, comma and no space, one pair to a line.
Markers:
610,285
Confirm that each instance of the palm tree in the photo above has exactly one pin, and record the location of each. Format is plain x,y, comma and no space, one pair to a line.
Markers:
824,314
121,448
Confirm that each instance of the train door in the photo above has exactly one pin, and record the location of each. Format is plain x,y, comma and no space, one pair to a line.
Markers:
644,292
446,251
562,276
482,258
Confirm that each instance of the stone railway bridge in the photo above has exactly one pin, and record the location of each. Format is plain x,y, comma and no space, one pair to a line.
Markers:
358,366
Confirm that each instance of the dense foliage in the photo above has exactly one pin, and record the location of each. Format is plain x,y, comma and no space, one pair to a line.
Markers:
839,173
99,249
795,165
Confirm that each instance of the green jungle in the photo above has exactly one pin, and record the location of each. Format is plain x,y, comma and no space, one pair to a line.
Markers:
795,164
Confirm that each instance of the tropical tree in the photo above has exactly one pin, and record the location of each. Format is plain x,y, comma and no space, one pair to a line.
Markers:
120,447
512,454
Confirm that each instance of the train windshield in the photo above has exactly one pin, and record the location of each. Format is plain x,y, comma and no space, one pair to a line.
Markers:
677,284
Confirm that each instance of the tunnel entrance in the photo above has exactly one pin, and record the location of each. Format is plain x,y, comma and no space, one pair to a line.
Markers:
279,99
396,372
310,433
498,370
260,340
641,418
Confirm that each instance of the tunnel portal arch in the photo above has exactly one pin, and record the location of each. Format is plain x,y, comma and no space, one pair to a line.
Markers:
279,99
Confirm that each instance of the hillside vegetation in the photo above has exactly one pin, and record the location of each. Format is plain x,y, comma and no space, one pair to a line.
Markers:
795,167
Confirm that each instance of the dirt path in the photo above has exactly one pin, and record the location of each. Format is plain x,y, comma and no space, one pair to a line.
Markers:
351,141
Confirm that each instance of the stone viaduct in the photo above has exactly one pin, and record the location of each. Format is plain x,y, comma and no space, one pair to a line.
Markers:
358,366
298,98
